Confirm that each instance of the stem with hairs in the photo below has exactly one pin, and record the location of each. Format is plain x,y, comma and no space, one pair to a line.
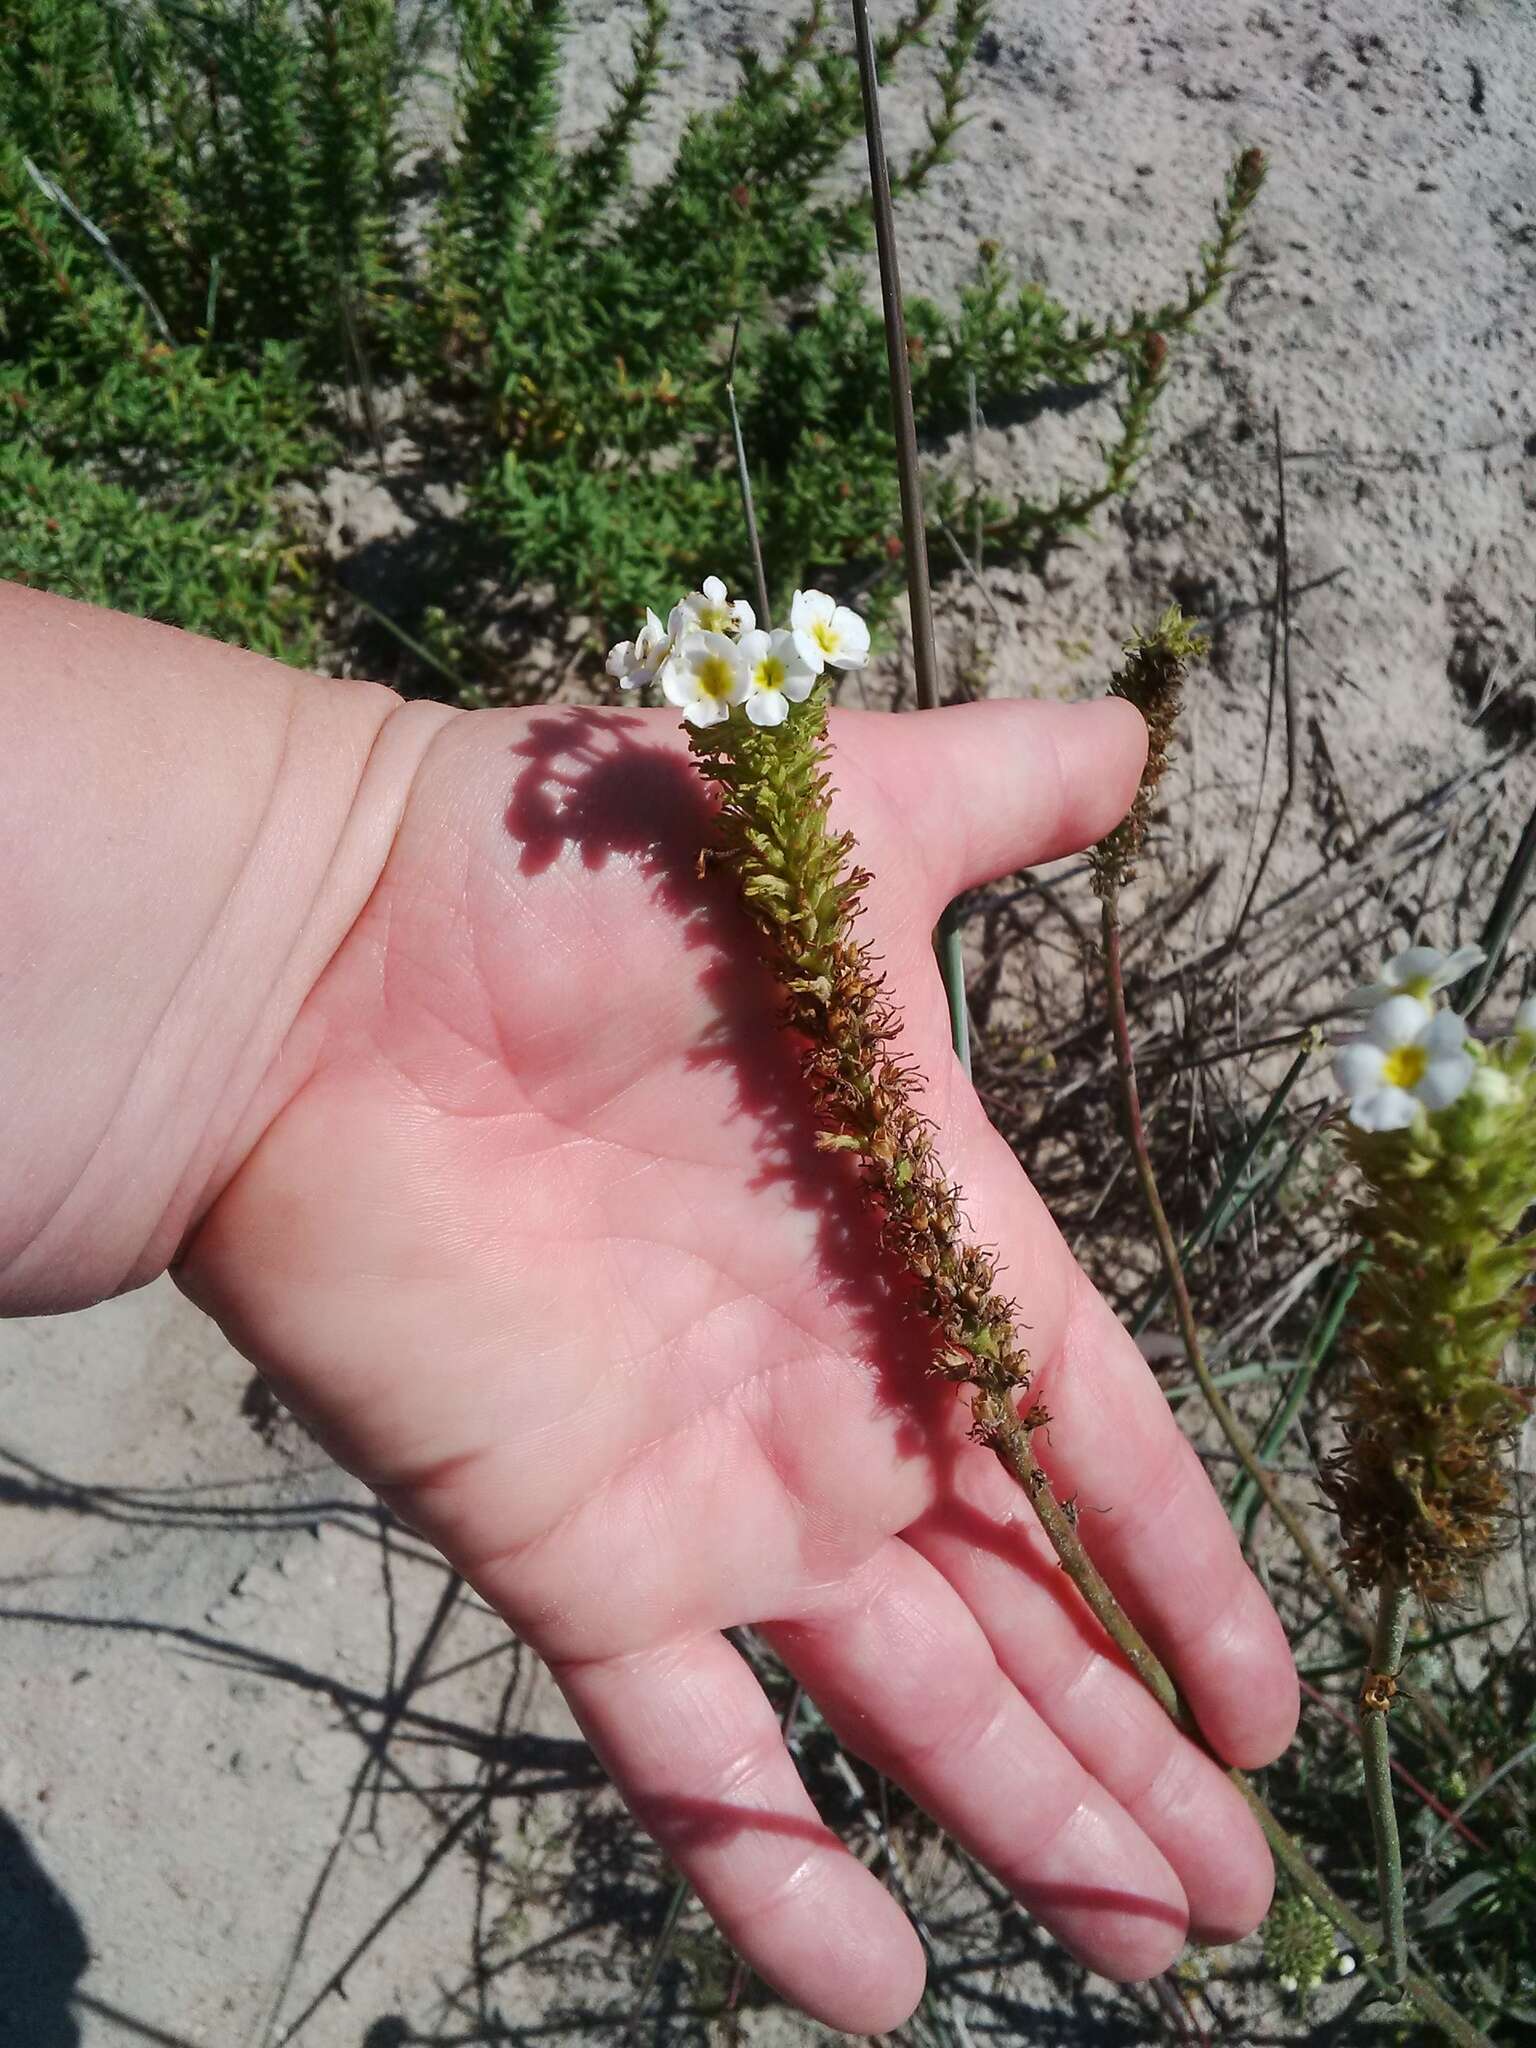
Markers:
1375,1744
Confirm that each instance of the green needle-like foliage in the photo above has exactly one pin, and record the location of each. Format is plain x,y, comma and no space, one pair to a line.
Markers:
244,173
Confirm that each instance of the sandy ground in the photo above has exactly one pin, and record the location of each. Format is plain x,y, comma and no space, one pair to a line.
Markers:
267,1773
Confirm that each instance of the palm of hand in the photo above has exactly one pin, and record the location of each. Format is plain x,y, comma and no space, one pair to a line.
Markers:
542,1246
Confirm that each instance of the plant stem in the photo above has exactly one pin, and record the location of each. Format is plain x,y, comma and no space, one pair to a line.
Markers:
1012,1446
1009,1438
914,529
1424,1992
1375,1746
744,479
1231,1428
925,662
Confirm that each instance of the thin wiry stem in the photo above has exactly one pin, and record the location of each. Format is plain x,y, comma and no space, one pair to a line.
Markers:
914,530
744,478
1424,1992
1013,1447
1279,670
1184,1312
1500,921
1230,1198
925,664
1375,1748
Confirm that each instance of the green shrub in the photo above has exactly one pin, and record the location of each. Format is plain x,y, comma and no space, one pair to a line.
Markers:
231,179
142,476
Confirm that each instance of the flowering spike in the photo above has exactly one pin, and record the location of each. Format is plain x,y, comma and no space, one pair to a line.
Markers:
802,891
1153,680
1419,1485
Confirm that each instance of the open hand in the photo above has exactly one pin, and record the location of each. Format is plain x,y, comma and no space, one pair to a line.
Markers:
541,1246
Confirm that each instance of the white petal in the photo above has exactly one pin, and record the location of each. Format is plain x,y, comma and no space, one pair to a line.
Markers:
810,608
1525,1019
746,618
1445,1032
1414,963
677,685
852,633
786,646
1444,1079
1461,962
707,711
678,620
809,651
722,646
1368,997
796,687
1397,1021
651,643
1384,1109
755,646
767,707
714,590
621,659
1357,1066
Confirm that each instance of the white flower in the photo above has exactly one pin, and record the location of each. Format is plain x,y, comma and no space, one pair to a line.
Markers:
1346,1965
1408,1055
710,610
778,675
1417,971
636,662
828,635
1525,1019
1289,1984
705,677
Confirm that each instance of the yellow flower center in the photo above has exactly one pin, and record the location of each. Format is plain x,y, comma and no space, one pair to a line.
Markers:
716,618
826,639
1404,1066
716,676
769,673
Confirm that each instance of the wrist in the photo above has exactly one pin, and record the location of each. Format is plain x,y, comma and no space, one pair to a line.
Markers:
190,832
